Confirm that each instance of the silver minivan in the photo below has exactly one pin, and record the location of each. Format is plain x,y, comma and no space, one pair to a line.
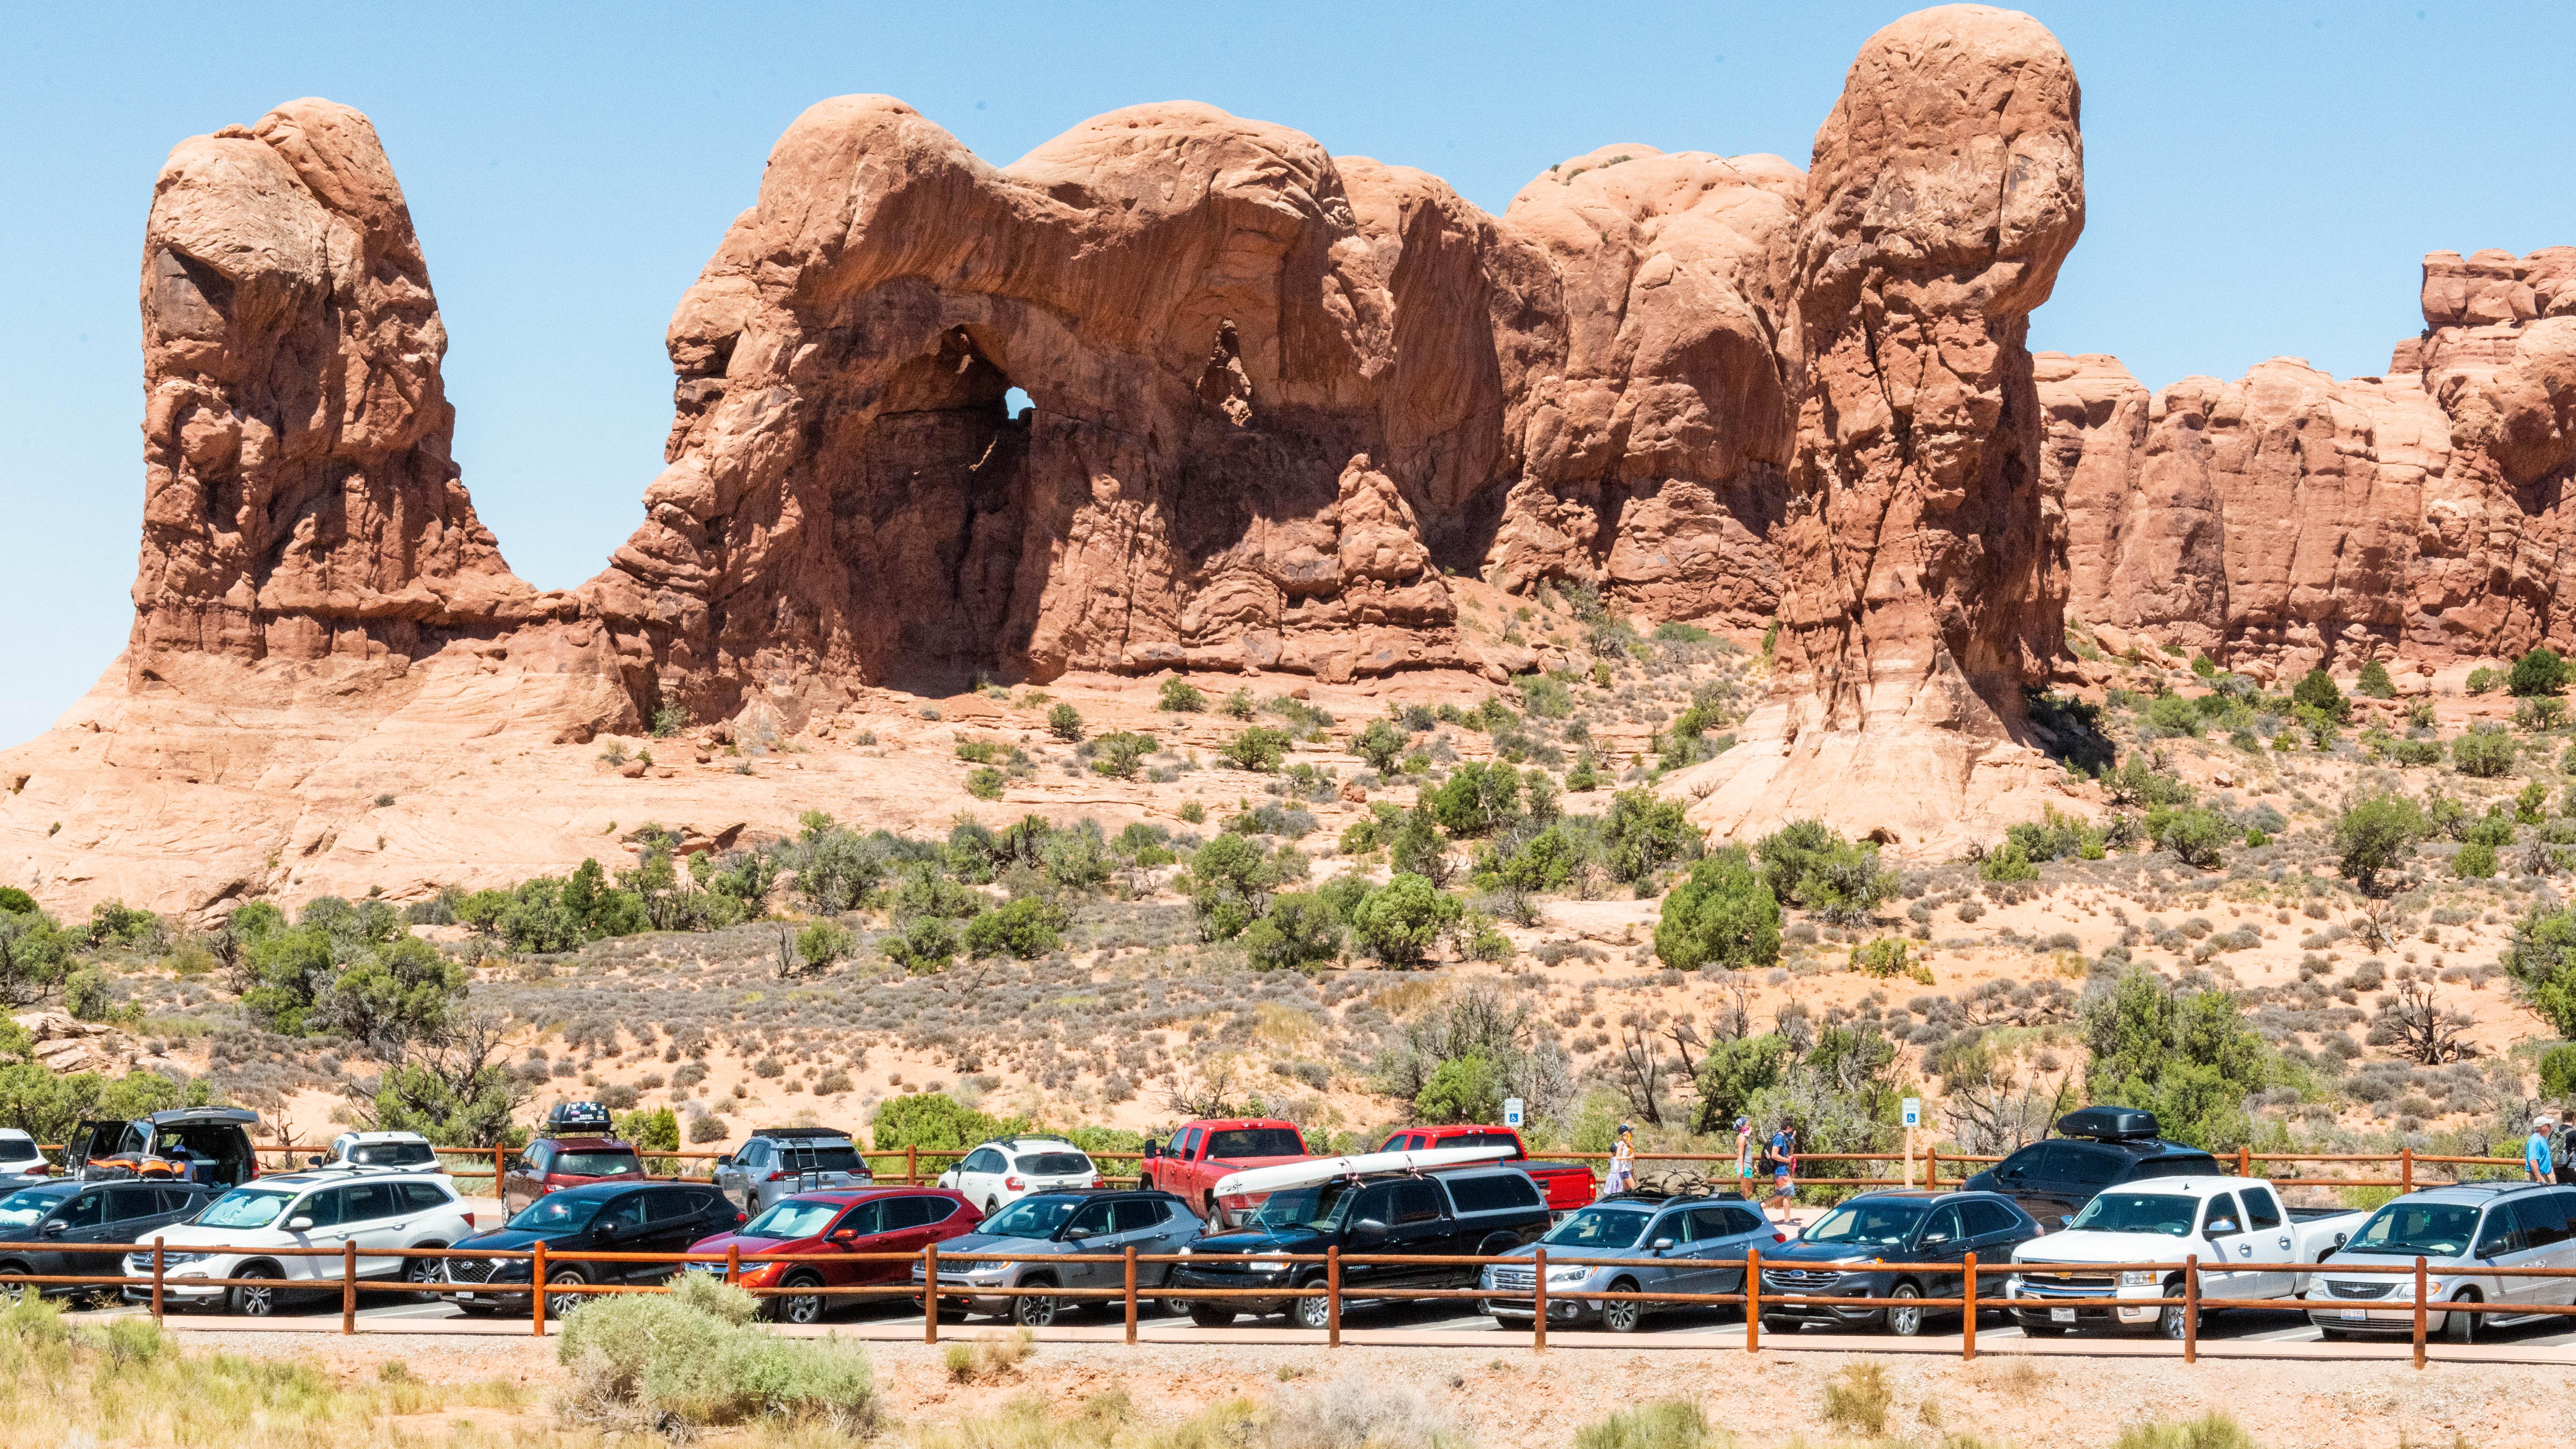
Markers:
2461,1233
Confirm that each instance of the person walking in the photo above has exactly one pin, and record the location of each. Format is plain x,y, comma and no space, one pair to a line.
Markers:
2536,1163
1623,1163
1784,1160
1745,1158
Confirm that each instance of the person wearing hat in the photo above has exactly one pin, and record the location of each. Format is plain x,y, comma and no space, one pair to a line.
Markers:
1784,1166
1746,1155
1623,1164
2536,1163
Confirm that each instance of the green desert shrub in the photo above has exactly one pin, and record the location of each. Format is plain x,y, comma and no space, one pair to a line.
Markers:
692,1357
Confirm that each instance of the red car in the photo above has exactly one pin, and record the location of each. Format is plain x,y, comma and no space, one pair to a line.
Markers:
552,1164
1202,1154
857,1220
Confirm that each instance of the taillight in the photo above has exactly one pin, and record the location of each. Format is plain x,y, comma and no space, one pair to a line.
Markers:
1013,1183
1099,1182
469,1220
1778,1236
780,1176
740,1218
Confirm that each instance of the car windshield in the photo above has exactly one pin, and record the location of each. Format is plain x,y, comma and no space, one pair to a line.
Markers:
1256,1142
1884,1223
2410,1229
2138,1212
557,1211
392,1154
1055,1164
23,1209
834,1157
1031,1217
793,1218
1318,1207
1600,1227
605,1162
245,1207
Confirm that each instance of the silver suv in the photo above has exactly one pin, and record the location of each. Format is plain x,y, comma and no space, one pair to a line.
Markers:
780,1162
2460,1232
1699,1243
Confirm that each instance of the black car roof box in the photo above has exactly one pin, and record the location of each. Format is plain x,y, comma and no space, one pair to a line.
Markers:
2109,1124
566,1119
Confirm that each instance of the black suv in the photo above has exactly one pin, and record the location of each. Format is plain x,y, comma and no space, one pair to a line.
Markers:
1479,1211
2097,1148
64,1213
1843,1253
597,1217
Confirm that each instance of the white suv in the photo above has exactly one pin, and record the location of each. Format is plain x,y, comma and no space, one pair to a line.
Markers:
381,1149
376,1209
1000,1173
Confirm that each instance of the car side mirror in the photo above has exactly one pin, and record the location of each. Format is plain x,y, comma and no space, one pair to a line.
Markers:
1370,1226
724,1159
298,1224
1660,1245
846,1235
1072,1235
2342,1238
2223,1228
1153,1150
54,1228
313,1162
1935,1239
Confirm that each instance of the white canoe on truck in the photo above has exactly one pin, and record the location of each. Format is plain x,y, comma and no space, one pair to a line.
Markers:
1258,1181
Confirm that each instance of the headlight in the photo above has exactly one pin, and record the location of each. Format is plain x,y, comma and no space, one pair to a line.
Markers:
1268,1267
987,1272
758,1275
1485,1277
1568,1275
2138,1280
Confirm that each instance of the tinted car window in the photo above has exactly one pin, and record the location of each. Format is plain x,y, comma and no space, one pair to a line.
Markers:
1985,1217
17,1149
836,1157
1256,1142
2260,1210
1189,1144
1031,1217
916,1212
424,1196
2023,1165
2180,1164
1714,1222
393,1154
1416,1202
2083,1166
1944,1226
132,1200
599,1162
322,1207
2543,1219
866,1219
1676,1226
2220,1215
366,1202
1054,1164
1093,1220
1377,1204
1492,1192
85,1211
2499,1234
1135,1214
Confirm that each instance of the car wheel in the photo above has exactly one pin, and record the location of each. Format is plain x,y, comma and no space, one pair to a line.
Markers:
1037,1311
1622,1315
14,1292
426,1274
1211,1315
560,1304
1905,1315
2462,1327
992,1205
799,1307
2171,1321
252,1300
1313,1313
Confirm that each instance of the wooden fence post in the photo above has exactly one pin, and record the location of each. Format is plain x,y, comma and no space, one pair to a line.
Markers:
2244,1161
2406,1169
1753,1300
2419,1313
2191,1309
1538,1302
349,1286
1932,1167
1131,1293
156,1281
1968,1312
929,1287
537,1291
911,1165
733,1263
1333,1296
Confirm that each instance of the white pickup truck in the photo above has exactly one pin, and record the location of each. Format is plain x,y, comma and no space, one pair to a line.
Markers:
2225,1220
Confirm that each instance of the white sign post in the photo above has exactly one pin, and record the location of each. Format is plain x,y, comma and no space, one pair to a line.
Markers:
1512,1112
1913,1119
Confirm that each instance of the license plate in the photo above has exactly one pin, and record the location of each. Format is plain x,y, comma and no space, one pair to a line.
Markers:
2356,1315
2061,1315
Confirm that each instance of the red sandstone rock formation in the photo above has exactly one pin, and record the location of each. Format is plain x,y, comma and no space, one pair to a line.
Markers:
2288,518
1922,558
299,499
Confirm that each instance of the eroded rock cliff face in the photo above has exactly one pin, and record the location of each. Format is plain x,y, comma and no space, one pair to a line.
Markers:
299,496
1922,555
2290,518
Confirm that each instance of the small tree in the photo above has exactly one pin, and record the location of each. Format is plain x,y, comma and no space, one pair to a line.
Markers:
2484,752
1065,723
2316,689
925,946
2481,679
1302,929
2541,959
825,944
1725,914
1181,697
1643,833
2193,833
2474,861
1461,1089
1259,748
1398,922
2375,833
2537,673
1118,755
1477,799
1381,744
2375,682
1023,928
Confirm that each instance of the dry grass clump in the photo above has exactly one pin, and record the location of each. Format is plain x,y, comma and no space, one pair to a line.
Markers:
2209,1431
989,1357
1859,1397
130,1384
1351,1413
1662,1424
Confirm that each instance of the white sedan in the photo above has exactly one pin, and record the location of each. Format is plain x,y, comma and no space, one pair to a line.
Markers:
999,1173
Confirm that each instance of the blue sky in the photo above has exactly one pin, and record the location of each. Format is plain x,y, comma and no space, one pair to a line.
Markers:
2264,179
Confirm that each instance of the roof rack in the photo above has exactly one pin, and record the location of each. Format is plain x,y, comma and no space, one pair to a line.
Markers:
800,1132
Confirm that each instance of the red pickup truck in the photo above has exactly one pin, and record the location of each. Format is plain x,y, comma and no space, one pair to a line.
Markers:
1201,1153
1565,1185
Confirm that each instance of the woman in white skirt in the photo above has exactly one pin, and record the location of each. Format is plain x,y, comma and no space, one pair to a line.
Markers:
1623,1163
